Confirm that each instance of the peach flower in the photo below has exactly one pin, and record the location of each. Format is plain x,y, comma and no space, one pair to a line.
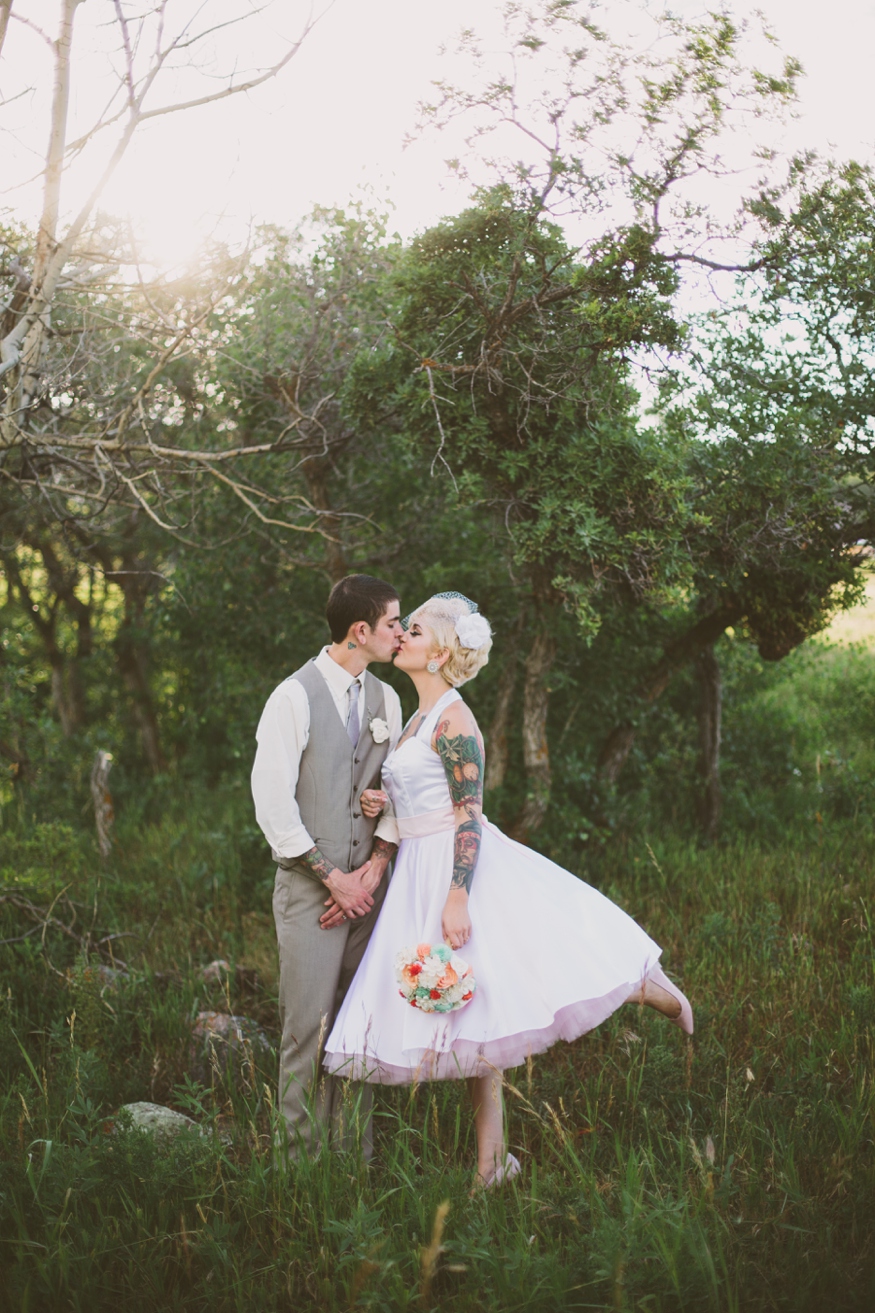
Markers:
410,974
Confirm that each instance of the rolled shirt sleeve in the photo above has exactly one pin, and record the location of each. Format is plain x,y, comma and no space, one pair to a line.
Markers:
282,735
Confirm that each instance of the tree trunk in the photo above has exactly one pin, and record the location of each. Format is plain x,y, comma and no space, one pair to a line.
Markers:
5,11
710,715
66,692
314,472
133,667
10,747
64,581
536,751
615,750
703,634
54,171
496,739
65,683
19,761
131,651
35,341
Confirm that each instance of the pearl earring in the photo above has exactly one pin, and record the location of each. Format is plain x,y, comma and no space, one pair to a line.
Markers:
432,667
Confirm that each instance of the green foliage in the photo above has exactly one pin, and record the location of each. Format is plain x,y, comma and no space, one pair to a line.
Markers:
465,412
507,371
44,859
731,1173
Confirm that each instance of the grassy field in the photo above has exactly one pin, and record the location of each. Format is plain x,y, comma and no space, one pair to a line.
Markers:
733,1171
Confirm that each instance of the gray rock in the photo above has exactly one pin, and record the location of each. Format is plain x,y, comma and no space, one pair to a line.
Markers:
112,976
106,978
224,1044
160,1121
215,972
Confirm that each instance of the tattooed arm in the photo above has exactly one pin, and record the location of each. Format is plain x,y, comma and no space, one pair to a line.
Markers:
319,865
458,743
383,852
350,891
381,855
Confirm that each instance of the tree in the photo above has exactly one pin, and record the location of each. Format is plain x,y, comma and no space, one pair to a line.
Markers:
505,369
118,444
779,400
98,362
518,350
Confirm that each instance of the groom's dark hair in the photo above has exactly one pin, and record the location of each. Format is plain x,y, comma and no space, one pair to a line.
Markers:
357,597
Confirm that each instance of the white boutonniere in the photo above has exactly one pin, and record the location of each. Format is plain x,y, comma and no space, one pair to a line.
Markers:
379,730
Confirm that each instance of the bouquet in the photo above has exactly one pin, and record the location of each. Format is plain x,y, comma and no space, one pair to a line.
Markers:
434,979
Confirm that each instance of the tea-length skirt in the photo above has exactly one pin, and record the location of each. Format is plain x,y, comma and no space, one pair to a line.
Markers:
551,955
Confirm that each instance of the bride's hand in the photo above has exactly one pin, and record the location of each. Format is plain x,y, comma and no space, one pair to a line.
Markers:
373,801
455,922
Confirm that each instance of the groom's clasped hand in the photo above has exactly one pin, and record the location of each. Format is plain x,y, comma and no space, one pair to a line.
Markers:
351,894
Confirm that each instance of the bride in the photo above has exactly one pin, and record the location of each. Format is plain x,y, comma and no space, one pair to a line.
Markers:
552,957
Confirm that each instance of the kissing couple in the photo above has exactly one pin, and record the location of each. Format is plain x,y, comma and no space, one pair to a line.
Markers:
343,793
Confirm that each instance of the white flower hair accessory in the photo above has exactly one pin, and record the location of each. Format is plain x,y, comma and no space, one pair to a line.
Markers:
473,630
379,729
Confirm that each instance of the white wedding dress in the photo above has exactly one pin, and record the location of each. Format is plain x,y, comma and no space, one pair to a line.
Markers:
552,956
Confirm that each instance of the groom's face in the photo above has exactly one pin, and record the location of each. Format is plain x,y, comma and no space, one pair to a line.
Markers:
385,637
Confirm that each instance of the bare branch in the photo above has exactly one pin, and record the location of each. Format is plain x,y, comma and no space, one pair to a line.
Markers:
439,454
240,87
238,491
25,22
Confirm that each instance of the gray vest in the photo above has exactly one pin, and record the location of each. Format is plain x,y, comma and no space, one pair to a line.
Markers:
332,773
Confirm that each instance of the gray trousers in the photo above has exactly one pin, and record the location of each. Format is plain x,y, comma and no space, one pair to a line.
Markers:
316,970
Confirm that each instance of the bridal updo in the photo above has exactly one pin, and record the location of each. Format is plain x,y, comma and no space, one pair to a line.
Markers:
459,628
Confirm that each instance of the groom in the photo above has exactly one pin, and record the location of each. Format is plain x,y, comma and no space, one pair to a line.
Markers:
322,739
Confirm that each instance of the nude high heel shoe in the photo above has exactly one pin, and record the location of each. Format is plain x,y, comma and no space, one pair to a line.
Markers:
505,1171
684,1019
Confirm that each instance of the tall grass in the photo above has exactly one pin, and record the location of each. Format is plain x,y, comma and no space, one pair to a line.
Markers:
734,1171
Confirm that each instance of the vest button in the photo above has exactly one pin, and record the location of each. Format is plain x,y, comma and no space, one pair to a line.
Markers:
356,815
355,843
356,760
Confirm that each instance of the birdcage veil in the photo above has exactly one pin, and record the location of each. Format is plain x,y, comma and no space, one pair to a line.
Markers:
450,610
456,613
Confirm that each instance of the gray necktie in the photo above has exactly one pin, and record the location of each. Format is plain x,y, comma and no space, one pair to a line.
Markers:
353,722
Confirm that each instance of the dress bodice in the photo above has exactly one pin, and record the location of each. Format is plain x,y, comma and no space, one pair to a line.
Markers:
413,774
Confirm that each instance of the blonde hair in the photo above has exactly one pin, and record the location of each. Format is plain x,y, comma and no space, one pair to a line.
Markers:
439,614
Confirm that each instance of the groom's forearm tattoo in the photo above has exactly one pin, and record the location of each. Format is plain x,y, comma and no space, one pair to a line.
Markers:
383,850
319,865
463,762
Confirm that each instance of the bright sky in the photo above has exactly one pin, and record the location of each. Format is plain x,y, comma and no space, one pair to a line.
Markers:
336,117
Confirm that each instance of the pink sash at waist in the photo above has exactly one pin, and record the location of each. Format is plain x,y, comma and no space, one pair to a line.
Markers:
417,827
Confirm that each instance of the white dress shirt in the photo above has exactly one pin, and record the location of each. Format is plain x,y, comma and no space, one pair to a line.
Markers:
283,733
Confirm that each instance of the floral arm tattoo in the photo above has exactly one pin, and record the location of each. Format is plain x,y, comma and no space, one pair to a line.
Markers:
463,762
